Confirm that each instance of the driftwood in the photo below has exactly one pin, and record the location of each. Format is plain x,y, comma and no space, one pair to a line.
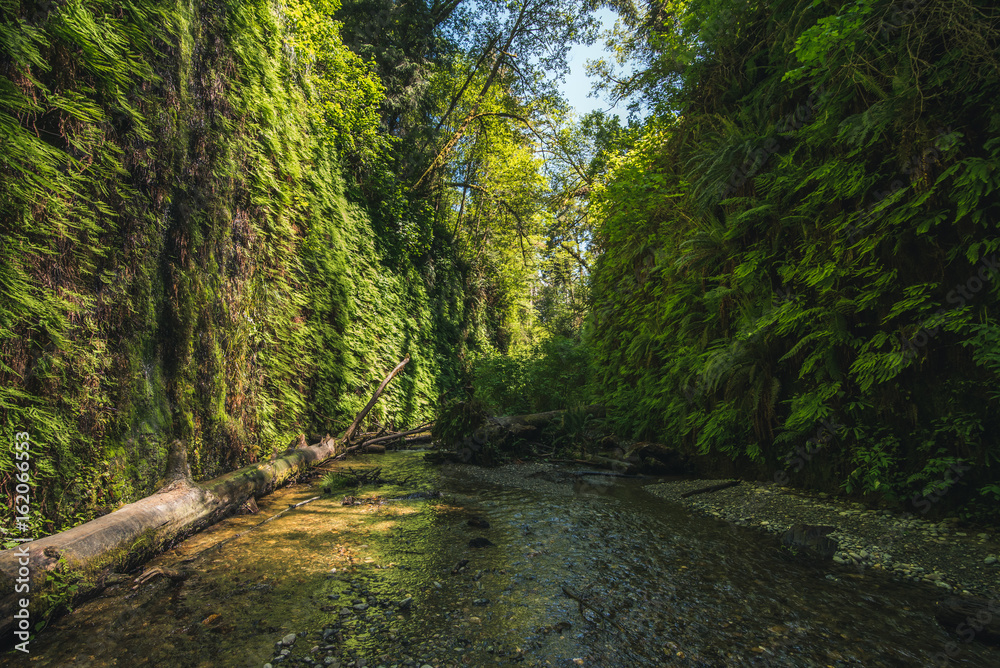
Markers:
371,402
153,573
710,488
128,536
424,427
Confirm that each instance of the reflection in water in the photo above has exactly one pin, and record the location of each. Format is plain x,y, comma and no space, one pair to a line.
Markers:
658,587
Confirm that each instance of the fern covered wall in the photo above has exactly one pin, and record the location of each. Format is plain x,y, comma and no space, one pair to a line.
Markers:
180,253
799,270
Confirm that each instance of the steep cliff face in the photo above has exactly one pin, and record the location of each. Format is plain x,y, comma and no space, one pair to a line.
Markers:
180,256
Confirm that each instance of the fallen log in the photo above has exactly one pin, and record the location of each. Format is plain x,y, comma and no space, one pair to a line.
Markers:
119,541
424,427
362,448
710,488
543,420
371,402
615,465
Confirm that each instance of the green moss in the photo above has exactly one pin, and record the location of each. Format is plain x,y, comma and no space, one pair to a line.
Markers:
179,257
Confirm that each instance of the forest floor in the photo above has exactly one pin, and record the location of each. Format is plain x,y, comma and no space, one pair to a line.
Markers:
946,554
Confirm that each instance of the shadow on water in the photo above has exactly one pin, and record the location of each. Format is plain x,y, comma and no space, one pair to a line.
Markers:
659,586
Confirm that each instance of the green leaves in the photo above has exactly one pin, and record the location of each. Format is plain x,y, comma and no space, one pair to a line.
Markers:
849,266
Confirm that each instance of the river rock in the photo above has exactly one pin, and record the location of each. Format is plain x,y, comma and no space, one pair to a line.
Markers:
480,542
288,640
989,561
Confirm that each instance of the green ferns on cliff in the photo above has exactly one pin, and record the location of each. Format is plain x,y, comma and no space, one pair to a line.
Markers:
803,245
179,254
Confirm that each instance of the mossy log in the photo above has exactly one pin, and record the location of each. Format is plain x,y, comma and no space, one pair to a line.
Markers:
121,540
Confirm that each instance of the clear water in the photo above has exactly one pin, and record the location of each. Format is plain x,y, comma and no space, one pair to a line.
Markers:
665,588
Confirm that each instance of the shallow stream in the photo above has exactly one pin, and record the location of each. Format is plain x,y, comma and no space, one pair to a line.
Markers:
660,587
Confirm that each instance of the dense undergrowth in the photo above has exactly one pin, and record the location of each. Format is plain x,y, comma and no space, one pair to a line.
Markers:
553,375
183,255
799,255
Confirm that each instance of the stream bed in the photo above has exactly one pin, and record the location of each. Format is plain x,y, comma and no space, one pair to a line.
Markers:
384,584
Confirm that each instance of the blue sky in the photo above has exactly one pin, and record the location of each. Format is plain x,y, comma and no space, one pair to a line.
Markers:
578,85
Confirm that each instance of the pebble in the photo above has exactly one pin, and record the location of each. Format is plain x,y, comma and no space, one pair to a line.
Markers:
864,536
289,639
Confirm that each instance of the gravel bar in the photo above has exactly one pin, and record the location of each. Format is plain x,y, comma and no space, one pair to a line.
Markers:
947,554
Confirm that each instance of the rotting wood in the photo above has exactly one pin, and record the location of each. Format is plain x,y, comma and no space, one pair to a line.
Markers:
710,488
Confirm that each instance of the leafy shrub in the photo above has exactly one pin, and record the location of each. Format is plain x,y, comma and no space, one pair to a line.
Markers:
554,375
